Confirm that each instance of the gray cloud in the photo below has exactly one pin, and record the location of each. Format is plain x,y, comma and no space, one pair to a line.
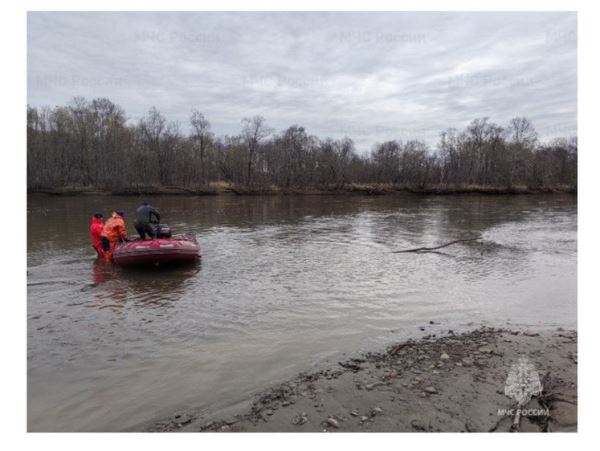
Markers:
369,76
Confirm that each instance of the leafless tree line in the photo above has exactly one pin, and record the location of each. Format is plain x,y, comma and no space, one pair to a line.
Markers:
89,144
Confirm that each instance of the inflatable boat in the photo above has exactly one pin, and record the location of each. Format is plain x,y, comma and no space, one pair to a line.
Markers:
175,249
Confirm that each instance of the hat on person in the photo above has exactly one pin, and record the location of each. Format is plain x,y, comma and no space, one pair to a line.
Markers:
98,215
120,212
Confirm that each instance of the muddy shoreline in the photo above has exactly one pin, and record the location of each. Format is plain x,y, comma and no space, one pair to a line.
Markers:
356,189
449,383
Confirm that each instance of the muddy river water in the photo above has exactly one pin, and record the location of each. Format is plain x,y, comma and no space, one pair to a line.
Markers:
285,284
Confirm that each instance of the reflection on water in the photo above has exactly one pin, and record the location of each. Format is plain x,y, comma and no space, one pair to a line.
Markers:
285,283
145,287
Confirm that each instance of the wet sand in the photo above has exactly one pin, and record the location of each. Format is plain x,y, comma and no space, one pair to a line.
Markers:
453,383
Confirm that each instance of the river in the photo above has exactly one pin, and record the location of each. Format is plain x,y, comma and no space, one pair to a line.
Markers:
285,284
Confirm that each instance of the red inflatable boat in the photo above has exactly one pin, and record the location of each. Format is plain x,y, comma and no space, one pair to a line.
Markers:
176,249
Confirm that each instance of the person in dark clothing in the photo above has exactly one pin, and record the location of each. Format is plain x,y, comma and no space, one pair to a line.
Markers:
145,216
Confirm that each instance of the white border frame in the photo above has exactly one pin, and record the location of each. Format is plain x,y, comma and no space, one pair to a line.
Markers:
14,84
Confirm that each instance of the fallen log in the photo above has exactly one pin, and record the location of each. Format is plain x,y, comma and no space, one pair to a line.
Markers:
429,249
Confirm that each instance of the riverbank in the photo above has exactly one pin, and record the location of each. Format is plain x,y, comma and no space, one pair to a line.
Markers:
452,383
224,188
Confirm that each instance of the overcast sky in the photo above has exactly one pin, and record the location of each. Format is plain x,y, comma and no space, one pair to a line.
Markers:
368,76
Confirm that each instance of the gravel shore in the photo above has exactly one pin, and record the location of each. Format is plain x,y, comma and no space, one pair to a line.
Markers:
452,383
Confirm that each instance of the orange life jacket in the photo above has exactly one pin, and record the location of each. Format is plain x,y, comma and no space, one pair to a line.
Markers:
114,229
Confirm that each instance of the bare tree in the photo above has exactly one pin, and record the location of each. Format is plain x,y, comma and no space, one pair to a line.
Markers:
91,144
254,131
152,129
201,137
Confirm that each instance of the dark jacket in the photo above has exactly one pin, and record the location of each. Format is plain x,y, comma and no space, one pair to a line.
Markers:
147,214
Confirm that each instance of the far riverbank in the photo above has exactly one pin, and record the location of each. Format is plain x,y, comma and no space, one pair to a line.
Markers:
223,188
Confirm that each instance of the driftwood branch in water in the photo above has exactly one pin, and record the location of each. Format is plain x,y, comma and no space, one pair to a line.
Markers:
427,249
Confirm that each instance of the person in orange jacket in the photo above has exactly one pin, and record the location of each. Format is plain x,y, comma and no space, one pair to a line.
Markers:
96,233
114,231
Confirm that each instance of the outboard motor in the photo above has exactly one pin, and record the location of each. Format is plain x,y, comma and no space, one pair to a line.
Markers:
163,231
